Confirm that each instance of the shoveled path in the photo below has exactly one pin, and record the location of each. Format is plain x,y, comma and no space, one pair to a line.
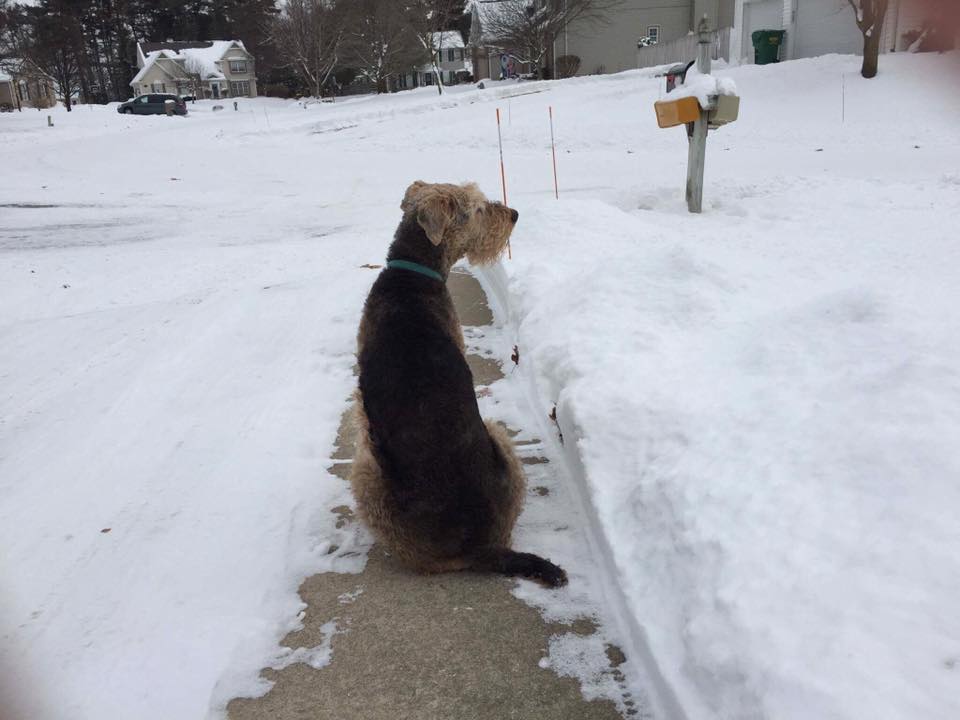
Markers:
457,646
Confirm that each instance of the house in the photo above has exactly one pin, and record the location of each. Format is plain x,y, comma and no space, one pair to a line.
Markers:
23,84
817,27
491,56
451,59
212,69
603,44
610,44
8,97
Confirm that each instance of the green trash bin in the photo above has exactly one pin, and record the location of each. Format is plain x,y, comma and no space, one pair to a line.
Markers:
766,46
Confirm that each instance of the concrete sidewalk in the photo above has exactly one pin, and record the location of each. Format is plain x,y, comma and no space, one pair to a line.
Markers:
456,646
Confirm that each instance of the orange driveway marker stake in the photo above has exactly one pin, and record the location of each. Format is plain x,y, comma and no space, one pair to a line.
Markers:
553,150
503,176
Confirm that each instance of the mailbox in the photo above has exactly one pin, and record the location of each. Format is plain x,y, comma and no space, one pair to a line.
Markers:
677,112
725,110
678,73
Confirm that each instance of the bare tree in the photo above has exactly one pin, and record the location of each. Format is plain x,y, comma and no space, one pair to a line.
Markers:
309,36
870,16
380,40
54,43
527,28
4,24
430,19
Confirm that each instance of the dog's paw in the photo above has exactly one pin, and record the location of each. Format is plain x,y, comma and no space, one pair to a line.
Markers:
550,575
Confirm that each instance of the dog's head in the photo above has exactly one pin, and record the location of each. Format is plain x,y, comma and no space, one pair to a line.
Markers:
460,220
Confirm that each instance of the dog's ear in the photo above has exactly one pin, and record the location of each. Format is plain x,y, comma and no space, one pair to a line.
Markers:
436,212
410,196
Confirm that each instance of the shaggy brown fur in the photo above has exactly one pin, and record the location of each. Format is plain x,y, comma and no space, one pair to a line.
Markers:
438,486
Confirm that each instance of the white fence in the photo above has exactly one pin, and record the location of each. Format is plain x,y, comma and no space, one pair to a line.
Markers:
684,49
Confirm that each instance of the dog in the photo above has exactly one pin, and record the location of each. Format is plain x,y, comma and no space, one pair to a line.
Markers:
440,488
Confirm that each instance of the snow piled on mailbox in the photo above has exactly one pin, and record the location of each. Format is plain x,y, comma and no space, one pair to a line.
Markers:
703,87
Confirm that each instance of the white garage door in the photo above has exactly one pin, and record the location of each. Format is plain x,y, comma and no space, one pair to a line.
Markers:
826,26
762,15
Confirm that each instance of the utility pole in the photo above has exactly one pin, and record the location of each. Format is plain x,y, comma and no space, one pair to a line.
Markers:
697,134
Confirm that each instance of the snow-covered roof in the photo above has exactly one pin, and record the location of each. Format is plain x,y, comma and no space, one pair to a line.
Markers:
4,77
201,60
150,60
10,66
13,66
448,39
204,60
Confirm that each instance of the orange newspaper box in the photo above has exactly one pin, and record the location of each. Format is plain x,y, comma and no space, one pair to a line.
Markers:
677,112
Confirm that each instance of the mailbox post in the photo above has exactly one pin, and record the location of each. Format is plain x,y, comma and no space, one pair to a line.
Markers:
697,135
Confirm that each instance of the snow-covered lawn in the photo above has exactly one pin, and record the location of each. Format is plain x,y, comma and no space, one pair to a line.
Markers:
765,398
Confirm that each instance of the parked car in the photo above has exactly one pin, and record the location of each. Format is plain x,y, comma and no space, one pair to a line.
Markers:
152,105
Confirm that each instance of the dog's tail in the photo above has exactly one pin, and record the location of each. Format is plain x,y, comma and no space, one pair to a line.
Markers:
507,562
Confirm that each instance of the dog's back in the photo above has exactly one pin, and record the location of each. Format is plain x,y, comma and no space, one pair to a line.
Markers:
442,470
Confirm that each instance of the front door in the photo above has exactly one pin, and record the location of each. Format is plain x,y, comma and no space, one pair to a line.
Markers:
215,87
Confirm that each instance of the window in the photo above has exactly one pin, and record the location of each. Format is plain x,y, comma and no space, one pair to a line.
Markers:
439,56
158,87
653,34
238,66
240,88
451,54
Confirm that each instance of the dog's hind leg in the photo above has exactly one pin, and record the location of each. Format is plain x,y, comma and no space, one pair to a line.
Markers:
516,485
367,482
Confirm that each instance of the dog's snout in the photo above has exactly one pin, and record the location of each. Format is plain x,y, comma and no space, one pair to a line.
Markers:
514,215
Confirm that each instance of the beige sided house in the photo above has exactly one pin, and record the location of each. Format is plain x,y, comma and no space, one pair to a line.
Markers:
213,69
23,84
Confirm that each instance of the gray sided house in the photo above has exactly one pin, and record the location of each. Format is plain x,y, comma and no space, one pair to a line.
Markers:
610,44
602,44
212,69
818,27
